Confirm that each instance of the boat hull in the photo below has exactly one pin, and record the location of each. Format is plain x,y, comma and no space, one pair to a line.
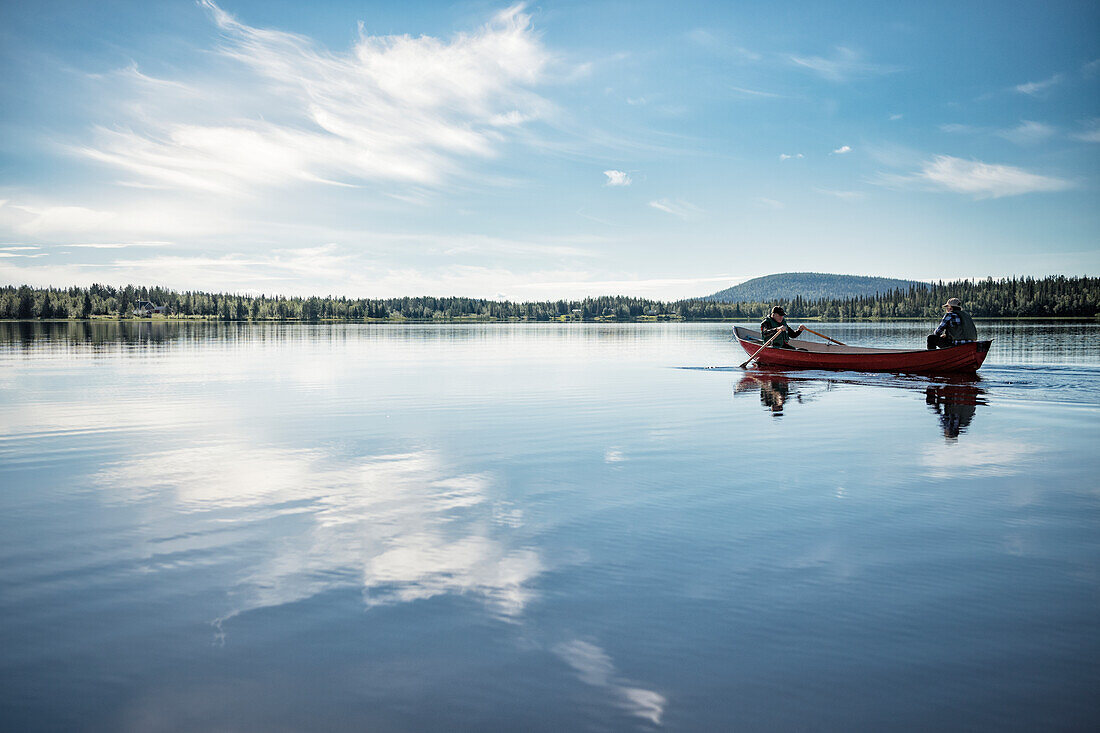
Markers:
954,359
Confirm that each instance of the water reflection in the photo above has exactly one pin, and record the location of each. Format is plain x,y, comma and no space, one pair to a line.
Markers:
955,403
594,667
503,527
401,526
954,400
775,390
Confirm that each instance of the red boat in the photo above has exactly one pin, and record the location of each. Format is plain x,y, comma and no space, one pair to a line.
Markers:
810,355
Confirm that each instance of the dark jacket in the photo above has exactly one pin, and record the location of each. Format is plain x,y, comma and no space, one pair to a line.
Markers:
769,326
957,326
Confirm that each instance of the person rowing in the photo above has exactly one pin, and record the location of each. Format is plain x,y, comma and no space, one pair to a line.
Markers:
957,327
775,323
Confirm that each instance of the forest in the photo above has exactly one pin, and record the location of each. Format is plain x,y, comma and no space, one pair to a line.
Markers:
1055,296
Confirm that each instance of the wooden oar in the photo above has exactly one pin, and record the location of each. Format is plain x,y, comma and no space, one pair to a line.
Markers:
827,338
766,345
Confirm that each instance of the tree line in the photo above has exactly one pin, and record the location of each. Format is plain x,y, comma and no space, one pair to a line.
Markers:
1055,296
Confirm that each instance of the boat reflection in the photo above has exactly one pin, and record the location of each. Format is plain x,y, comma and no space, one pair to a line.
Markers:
954,400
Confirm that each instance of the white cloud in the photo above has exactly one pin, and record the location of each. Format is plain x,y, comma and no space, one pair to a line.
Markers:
845,195
339,270
617,178
49,219
667,288
894,117
716,42
1027,132
843,65
677,207
1091,135
955,127
116,245
1035,87
785,156
842,150
982,180
767,203
755,92
149,220
394,108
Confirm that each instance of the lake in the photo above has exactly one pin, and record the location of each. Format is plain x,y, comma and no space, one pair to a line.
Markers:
542,527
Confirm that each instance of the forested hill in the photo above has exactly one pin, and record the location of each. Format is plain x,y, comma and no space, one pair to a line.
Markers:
1057,296
809,286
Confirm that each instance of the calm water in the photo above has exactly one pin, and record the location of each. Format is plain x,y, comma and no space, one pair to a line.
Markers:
536,527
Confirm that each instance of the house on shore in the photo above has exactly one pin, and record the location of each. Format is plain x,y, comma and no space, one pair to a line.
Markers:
145,309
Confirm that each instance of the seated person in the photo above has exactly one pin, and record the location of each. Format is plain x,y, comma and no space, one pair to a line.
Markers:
957,327
774,323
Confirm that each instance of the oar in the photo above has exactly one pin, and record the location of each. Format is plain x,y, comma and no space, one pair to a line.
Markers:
766,345
827,338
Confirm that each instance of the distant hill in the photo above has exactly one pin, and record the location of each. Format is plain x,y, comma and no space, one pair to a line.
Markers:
810,285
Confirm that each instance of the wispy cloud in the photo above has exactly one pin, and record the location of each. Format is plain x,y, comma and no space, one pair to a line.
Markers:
767,203
982,180
69,223
1027,132
845,195
676,207
716,41
467,244
755,92
957,127
896,116
617,178
47,219
789,156
1091,135
843,65
1036,87
343,270
394,108
842,150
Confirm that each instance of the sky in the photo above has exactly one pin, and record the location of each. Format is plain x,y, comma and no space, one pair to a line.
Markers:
544,151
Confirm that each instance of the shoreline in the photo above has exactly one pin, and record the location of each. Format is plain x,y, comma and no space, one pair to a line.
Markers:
509,321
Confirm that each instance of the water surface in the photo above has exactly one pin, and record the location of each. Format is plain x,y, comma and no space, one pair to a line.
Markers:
541,527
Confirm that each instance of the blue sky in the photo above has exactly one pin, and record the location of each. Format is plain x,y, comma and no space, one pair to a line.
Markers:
543,151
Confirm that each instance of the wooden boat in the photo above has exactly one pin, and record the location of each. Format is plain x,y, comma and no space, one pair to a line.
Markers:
810,355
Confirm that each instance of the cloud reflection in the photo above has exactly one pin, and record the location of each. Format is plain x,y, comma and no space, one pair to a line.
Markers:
403,527
981,458
400,525
594,667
